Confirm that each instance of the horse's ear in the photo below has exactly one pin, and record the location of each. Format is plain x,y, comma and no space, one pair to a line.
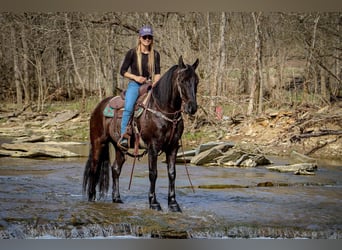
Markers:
181,63
195,64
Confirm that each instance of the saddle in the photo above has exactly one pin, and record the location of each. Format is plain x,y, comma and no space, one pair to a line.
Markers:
118,102
115,107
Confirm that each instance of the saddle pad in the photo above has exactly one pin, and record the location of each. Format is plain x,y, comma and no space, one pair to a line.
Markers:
108,111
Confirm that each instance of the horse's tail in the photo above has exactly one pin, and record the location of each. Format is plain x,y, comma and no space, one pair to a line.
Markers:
86,173
100,176
104,164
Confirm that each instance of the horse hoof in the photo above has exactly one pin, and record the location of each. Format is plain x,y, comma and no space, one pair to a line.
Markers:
175,208
156,207
117,200
91,198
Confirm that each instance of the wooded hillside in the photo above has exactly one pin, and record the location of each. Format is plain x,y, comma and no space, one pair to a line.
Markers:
266,60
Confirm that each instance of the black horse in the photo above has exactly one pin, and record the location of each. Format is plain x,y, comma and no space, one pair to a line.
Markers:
160,127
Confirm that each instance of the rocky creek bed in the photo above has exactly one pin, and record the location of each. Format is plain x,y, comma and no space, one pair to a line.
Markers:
42,198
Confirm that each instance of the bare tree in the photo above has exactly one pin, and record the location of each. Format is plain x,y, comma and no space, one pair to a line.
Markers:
40,81
222,54
309,61
257,85
209,59
16,67
25,61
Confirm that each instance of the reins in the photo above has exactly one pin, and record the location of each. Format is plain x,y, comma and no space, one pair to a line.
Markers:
186,168
173,121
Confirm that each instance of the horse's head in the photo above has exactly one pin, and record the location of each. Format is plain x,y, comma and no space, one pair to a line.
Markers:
187,81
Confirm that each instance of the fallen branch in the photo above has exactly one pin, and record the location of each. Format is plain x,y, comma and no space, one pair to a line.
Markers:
17,113
322,145
297,138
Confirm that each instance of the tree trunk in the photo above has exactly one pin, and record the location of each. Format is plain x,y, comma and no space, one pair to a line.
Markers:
324,89
256,88
16,69
39,79
26,83
211,86
309,62
209,64
335,87
280,74
109,82
222,55
244,77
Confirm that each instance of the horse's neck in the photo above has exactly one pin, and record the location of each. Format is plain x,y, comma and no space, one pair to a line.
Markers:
168,103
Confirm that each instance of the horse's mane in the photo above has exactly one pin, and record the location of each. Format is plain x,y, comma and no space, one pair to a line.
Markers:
164,86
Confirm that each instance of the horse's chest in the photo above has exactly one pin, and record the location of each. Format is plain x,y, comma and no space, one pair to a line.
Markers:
162,130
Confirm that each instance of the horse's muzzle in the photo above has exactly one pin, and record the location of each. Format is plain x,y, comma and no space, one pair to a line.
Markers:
190,108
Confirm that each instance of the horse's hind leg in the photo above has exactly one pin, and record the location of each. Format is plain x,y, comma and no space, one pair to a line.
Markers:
116,171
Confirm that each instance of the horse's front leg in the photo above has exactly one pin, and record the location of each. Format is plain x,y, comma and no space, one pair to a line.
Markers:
171,167
153,174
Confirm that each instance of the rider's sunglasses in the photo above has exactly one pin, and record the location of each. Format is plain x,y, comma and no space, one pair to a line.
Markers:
147,37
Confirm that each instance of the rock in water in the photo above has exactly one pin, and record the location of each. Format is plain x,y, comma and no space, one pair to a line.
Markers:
299,168
206,157
36,150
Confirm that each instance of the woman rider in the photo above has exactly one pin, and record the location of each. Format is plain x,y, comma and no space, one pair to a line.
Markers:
144,64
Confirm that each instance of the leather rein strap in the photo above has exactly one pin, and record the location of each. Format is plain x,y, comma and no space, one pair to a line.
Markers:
173,121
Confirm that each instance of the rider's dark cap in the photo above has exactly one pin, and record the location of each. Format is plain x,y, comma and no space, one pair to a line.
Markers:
146,31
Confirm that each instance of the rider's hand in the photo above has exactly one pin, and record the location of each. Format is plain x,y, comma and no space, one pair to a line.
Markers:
140,79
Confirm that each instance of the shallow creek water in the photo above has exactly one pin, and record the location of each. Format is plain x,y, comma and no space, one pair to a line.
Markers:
42,198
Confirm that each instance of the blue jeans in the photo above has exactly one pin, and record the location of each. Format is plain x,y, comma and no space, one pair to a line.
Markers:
131,96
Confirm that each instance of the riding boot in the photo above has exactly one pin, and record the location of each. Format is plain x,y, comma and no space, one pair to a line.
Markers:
123,142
